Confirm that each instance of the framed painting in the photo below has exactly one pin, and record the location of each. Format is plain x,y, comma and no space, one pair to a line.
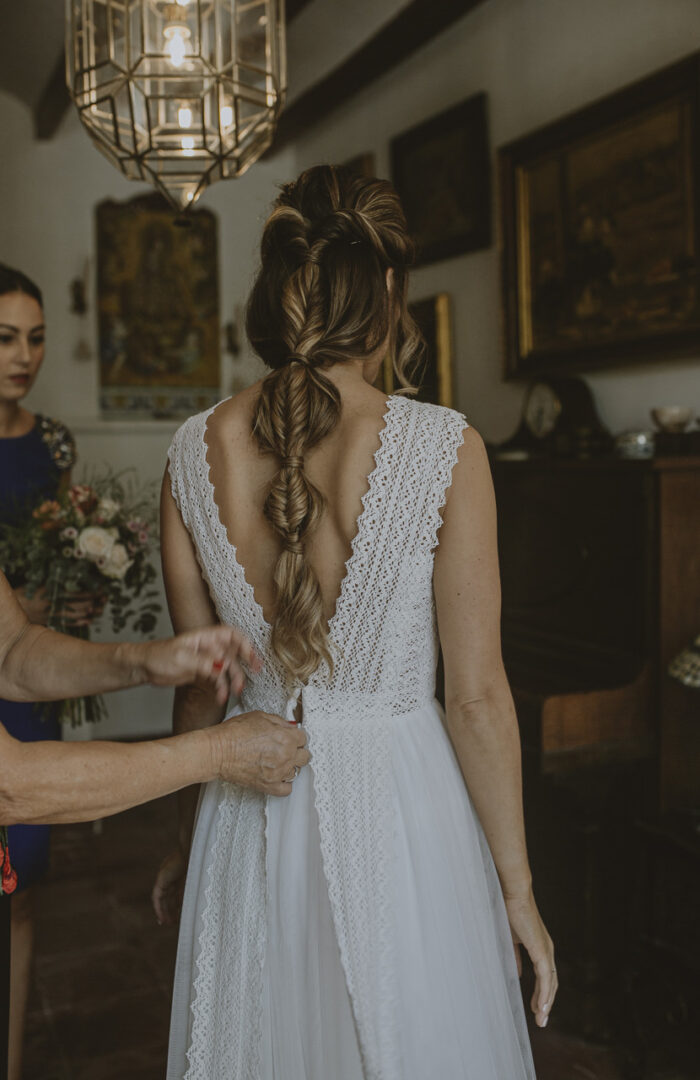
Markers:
441,169
434,376
158,310
601,252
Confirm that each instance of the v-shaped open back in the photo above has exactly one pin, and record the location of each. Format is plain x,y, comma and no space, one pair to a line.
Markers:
377,632
369,507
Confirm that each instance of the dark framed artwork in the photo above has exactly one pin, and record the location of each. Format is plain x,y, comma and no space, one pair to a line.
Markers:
158,309
442,171
434,377
600,231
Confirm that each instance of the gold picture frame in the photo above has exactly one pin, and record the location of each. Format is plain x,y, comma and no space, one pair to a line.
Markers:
434,377
158,309
601,235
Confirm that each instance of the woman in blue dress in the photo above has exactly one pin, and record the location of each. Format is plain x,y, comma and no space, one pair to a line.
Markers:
36,455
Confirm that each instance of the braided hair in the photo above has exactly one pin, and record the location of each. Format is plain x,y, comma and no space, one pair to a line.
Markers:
320,298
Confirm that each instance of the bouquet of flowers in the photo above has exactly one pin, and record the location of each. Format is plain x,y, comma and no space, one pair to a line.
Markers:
96,539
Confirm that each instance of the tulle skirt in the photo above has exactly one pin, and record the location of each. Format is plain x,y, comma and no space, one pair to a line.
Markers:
457,993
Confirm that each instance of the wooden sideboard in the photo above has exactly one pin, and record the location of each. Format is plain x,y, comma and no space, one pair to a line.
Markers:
600,566
600,563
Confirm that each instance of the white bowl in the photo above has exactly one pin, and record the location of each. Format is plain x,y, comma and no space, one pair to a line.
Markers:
672,418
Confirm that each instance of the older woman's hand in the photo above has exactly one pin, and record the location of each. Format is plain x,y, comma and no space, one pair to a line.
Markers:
261,751
36,607
211,657
256,749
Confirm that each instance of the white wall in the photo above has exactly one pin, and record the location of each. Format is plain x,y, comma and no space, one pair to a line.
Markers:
48,194
537,60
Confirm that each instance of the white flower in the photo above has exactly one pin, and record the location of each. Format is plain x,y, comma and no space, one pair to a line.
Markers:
118,562
94,543
108,508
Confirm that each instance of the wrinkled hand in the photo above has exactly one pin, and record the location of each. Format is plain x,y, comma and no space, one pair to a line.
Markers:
36,607
528,929
256,749
70,609
79,609
169,887
210,657
260,750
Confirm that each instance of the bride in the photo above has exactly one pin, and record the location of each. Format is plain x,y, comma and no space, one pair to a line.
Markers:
363,927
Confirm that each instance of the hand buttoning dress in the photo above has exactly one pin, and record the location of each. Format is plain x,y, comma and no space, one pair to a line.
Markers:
356,930
31,466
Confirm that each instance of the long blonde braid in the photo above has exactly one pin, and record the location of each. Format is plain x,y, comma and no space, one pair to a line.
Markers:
320,298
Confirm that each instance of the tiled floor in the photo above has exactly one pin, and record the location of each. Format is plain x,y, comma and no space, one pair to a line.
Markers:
100,1004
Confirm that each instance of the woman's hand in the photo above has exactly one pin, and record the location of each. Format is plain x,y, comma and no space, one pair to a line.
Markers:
36,607
169,888
257,750
211,657
261,751
69,609
528,929
78,609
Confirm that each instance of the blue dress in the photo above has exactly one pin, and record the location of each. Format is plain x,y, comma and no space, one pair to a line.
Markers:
30,471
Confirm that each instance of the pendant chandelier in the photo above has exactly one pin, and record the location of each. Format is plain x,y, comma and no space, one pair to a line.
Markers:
179,93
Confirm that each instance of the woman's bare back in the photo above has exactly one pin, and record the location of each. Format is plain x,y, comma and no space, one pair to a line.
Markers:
339,467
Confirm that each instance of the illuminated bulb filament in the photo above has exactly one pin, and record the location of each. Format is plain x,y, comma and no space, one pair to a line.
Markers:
176,38
184,117
226,115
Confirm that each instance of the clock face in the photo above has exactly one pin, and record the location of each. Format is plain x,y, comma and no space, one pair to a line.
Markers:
542,410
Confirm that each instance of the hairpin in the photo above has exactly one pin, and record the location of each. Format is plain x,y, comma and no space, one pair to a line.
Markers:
355,242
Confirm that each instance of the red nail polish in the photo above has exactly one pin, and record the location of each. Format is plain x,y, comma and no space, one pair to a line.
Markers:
217,665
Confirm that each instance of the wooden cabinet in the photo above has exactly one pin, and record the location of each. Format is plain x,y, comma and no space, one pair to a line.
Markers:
600,564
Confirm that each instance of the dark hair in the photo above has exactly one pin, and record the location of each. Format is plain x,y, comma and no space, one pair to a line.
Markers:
320,298
15,281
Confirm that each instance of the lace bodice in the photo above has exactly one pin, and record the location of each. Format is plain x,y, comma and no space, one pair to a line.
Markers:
383,635
385,613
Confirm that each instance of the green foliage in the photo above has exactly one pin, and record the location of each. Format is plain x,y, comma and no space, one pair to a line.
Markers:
97,539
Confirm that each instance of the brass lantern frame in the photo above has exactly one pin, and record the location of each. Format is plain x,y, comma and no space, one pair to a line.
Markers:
179,93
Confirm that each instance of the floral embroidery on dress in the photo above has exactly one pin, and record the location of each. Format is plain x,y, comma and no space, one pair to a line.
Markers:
58,439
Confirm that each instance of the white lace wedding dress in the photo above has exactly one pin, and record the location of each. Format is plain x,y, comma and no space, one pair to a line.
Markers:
356,930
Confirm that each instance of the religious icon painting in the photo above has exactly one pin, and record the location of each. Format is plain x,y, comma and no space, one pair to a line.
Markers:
158,310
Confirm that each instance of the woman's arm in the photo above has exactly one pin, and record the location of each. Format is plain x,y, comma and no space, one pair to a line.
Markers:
481,717
190,605
37,664
51,782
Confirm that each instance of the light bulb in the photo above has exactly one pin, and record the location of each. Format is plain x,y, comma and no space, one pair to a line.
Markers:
176,38
226,115
182,3
187,142
184,117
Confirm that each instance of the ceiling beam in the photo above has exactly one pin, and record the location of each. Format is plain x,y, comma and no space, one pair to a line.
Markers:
53,102
412,28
